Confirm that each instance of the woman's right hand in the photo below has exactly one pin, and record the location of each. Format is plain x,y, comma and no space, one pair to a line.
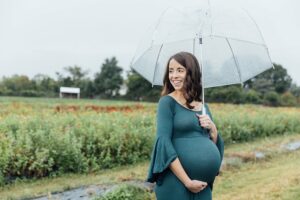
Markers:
196,186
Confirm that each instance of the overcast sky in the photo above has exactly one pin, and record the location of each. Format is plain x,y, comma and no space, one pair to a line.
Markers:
43,36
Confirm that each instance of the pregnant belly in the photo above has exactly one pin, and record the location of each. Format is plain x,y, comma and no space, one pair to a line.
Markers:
199,157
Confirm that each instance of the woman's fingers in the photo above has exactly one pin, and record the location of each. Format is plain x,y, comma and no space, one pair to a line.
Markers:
201,184
197,186
203,117
204,120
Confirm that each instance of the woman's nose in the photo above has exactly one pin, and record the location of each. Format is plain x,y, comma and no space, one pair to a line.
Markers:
175,74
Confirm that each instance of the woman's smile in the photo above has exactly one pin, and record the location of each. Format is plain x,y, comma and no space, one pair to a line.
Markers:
177,83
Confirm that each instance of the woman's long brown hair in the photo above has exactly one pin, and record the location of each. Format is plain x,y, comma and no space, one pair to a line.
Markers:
192,88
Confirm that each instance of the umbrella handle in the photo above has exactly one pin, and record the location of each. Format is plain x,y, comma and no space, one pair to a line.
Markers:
206,131
203,110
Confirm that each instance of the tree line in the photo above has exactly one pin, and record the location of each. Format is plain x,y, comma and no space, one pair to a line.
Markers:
273,87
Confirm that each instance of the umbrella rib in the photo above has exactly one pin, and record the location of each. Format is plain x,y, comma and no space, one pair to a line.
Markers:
156,63
194,46
247,13
235,60
247,41
152,46
219,85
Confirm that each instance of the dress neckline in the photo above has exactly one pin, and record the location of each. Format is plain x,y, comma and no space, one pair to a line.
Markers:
183,105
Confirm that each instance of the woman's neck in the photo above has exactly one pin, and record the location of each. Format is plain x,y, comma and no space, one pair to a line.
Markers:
179,96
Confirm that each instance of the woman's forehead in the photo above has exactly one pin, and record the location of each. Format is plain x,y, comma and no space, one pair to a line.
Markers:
174,64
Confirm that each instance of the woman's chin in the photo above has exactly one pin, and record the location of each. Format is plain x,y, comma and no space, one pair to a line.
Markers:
178,88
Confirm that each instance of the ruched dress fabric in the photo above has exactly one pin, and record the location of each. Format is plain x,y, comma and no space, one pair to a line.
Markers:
179,134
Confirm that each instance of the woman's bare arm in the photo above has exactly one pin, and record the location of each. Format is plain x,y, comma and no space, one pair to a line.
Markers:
193,185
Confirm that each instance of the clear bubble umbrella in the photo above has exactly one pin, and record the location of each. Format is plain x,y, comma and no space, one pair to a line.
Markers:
226,41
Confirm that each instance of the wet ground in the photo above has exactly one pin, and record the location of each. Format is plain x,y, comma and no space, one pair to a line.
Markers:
292,146
82,193
89,192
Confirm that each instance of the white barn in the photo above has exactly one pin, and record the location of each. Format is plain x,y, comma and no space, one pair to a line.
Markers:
69,92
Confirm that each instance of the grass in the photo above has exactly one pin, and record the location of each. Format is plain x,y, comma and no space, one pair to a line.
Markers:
265,180
272,179
53,101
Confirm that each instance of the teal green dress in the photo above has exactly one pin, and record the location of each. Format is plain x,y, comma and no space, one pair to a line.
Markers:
179,134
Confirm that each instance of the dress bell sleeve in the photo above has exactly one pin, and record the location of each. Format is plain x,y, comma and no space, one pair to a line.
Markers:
163,153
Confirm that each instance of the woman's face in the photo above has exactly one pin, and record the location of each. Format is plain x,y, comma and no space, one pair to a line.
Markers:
177,74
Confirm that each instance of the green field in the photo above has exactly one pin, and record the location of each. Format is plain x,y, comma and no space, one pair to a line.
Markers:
46,143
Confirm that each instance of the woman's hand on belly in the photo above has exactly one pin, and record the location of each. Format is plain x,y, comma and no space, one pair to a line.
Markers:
195,186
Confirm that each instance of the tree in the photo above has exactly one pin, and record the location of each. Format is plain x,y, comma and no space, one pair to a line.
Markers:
46,85
295,90
273,79
281,79
17,85
140,89
76,73
263,85
226,94
87,88
109,80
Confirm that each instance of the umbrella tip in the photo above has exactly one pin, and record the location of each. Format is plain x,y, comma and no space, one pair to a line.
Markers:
273,66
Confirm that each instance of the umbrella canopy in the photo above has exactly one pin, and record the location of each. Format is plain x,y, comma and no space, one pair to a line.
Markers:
226,41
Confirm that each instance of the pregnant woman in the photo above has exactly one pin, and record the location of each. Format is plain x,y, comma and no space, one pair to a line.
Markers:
188,150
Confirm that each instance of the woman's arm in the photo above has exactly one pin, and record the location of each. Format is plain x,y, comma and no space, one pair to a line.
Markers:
214,133
193,185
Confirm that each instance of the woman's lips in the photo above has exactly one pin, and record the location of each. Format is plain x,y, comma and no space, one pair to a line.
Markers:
177,83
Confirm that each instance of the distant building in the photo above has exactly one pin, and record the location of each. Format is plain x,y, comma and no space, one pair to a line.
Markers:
123,89
69,92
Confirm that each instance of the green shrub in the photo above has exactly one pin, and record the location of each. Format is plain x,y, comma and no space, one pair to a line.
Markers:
234,94
37,141
5,153
50,144
127,192
288,99
252,96
272,99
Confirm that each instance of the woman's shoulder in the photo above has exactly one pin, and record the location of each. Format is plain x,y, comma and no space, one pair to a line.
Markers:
166,99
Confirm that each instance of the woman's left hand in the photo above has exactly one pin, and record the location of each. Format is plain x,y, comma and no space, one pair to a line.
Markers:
207,123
